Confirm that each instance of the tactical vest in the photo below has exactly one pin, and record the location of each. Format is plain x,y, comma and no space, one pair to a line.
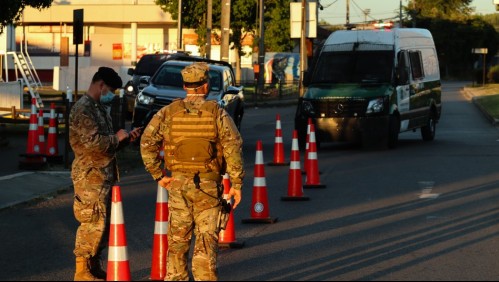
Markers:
193,139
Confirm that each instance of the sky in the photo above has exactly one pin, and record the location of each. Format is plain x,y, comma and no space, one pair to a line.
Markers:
334,11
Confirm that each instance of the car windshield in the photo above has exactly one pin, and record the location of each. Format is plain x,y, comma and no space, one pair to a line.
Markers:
354,67
169,75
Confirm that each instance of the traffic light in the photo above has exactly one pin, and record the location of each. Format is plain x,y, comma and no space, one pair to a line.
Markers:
78,26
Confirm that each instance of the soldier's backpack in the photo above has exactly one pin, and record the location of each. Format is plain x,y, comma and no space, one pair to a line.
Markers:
193,137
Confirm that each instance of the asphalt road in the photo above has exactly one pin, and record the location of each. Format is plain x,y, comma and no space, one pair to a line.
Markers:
377,218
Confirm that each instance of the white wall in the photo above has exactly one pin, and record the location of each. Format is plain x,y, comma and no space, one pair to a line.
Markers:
11,95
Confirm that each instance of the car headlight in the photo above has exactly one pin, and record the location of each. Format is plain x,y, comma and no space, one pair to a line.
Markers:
144,99
375,106
308,107
130,89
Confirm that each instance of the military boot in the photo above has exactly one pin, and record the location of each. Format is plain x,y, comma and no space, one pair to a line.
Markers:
96,267
82,272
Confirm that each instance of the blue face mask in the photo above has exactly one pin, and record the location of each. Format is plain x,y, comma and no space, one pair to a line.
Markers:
107,98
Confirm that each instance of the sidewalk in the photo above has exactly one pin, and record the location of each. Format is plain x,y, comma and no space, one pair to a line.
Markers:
29,186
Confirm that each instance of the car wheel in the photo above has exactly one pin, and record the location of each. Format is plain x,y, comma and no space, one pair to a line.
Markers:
428,131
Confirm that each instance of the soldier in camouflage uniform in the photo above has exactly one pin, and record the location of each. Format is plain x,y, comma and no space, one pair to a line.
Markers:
94,171
201,142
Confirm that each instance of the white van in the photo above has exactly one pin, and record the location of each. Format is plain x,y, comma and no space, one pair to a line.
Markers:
369,85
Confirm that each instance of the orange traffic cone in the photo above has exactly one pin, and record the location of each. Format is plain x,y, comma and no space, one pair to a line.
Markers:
33,147
278,145
260,205
313,169
34,158
227,237
160,243
295,188
41,132
52,150
118,267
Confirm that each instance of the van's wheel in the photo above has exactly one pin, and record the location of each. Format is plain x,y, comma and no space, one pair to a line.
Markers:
428,131
393,131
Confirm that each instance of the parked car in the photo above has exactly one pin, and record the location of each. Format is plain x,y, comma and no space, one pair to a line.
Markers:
167,85
145,68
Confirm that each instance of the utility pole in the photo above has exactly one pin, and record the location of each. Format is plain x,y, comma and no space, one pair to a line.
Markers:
225,24
261,50
348,14
179,26
366,12
208,28
400,14
303,52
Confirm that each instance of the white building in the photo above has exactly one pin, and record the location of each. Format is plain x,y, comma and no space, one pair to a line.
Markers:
115,33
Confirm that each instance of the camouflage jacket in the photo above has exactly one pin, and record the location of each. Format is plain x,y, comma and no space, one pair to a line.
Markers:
92,139
157,132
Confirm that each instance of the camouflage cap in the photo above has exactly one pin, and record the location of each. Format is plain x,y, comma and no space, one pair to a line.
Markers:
195,73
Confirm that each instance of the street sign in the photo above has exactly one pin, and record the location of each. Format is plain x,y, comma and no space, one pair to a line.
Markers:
479,50
310,20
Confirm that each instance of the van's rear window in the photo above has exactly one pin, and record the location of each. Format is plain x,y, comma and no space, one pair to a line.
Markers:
354,66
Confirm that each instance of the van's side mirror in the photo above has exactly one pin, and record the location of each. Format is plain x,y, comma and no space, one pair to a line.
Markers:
402,76
130,71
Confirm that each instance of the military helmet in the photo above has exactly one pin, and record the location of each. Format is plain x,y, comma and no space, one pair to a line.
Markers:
196,73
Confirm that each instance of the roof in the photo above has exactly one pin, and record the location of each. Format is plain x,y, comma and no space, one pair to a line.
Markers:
377,36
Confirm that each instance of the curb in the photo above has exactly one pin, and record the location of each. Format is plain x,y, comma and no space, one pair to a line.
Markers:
484,112
469,95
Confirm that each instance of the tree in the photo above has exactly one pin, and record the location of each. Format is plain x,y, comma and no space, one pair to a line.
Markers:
277,26
243,20
12,10
440,9
193,15
468,32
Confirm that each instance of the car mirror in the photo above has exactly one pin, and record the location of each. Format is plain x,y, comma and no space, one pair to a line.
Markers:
402,76
130,71
234,90
231,92
144,79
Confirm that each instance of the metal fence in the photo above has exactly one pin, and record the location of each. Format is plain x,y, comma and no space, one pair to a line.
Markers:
271,92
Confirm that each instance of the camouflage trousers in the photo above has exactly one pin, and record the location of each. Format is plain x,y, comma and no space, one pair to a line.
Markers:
192,210
92,208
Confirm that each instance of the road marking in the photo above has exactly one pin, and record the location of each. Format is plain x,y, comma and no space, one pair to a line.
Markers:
7,177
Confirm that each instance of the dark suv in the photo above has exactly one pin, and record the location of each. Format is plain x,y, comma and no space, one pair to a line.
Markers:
167,85
145,68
